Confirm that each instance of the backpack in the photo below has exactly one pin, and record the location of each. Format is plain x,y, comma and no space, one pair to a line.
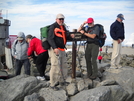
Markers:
44,36
44,31
102,36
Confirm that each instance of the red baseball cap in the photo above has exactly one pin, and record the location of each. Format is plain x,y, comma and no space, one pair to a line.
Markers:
90,20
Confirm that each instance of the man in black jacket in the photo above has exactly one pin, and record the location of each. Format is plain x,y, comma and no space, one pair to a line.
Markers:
57,38
117,34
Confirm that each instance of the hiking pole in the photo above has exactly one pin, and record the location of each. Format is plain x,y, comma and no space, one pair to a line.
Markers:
60,64
84,45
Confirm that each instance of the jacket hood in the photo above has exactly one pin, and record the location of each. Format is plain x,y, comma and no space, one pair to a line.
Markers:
21,36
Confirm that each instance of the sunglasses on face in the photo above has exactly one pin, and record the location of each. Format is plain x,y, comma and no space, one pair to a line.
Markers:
61,18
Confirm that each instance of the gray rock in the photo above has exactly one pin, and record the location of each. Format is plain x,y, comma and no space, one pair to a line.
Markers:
127,60
96,94
99,74
103,66
81,85
106,57
32,97
132,64
72,89
103,93
84,84
69,79
118,93
15,89
106,83
88,83
83,62
95,83
47,94
124,77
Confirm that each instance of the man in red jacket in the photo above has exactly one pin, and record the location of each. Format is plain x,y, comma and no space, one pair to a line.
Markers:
35,45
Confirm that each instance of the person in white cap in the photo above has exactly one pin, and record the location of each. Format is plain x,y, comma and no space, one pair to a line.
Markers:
19,52
57,38
118,35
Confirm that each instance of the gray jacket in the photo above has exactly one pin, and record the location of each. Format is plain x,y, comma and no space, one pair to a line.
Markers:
19,50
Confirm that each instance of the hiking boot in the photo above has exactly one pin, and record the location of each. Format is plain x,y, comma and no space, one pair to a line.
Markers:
47,77
92,77
119,66
40,78
54,88
64,83
113,67
88,75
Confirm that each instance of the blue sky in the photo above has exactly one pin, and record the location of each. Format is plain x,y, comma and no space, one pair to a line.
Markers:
30,15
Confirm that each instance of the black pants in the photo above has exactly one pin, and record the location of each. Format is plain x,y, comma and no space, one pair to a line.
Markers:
41,62
18,66
99,61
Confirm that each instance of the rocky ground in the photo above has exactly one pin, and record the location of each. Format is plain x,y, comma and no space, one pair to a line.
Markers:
110,85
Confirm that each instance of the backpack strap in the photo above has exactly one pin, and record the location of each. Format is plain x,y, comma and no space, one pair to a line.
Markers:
16,42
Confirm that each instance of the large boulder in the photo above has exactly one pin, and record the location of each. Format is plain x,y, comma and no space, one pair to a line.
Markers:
123,77
15,89
32,97
102,93
47,94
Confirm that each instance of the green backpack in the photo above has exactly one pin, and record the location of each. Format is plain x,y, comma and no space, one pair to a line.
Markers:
44,35
44,31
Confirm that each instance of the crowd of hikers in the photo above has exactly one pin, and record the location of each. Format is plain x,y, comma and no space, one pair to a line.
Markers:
27,47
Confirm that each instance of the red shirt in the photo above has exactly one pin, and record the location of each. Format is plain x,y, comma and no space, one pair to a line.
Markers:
99,57
35,45
100,49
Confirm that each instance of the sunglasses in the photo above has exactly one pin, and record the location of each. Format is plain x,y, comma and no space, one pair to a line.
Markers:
61,18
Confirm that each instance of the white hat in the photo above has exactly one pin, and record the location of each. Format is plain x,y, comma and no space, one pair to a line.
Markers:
60,16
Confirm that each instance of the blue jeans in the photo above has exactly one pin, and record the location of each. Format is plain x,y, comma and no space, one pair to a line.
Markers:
18,66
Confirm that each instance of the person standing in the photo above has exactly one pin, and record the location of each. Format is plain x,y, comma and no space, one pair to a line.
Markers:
19,52
118,35
92,48
57,38
99,58
35,46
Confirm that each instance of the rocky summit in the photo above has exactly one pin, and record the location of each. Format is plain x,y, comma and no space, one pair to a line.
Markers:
110,85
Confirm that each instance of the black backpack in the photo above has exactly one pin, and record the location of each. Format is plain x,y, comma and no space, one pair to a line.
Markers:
102,36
